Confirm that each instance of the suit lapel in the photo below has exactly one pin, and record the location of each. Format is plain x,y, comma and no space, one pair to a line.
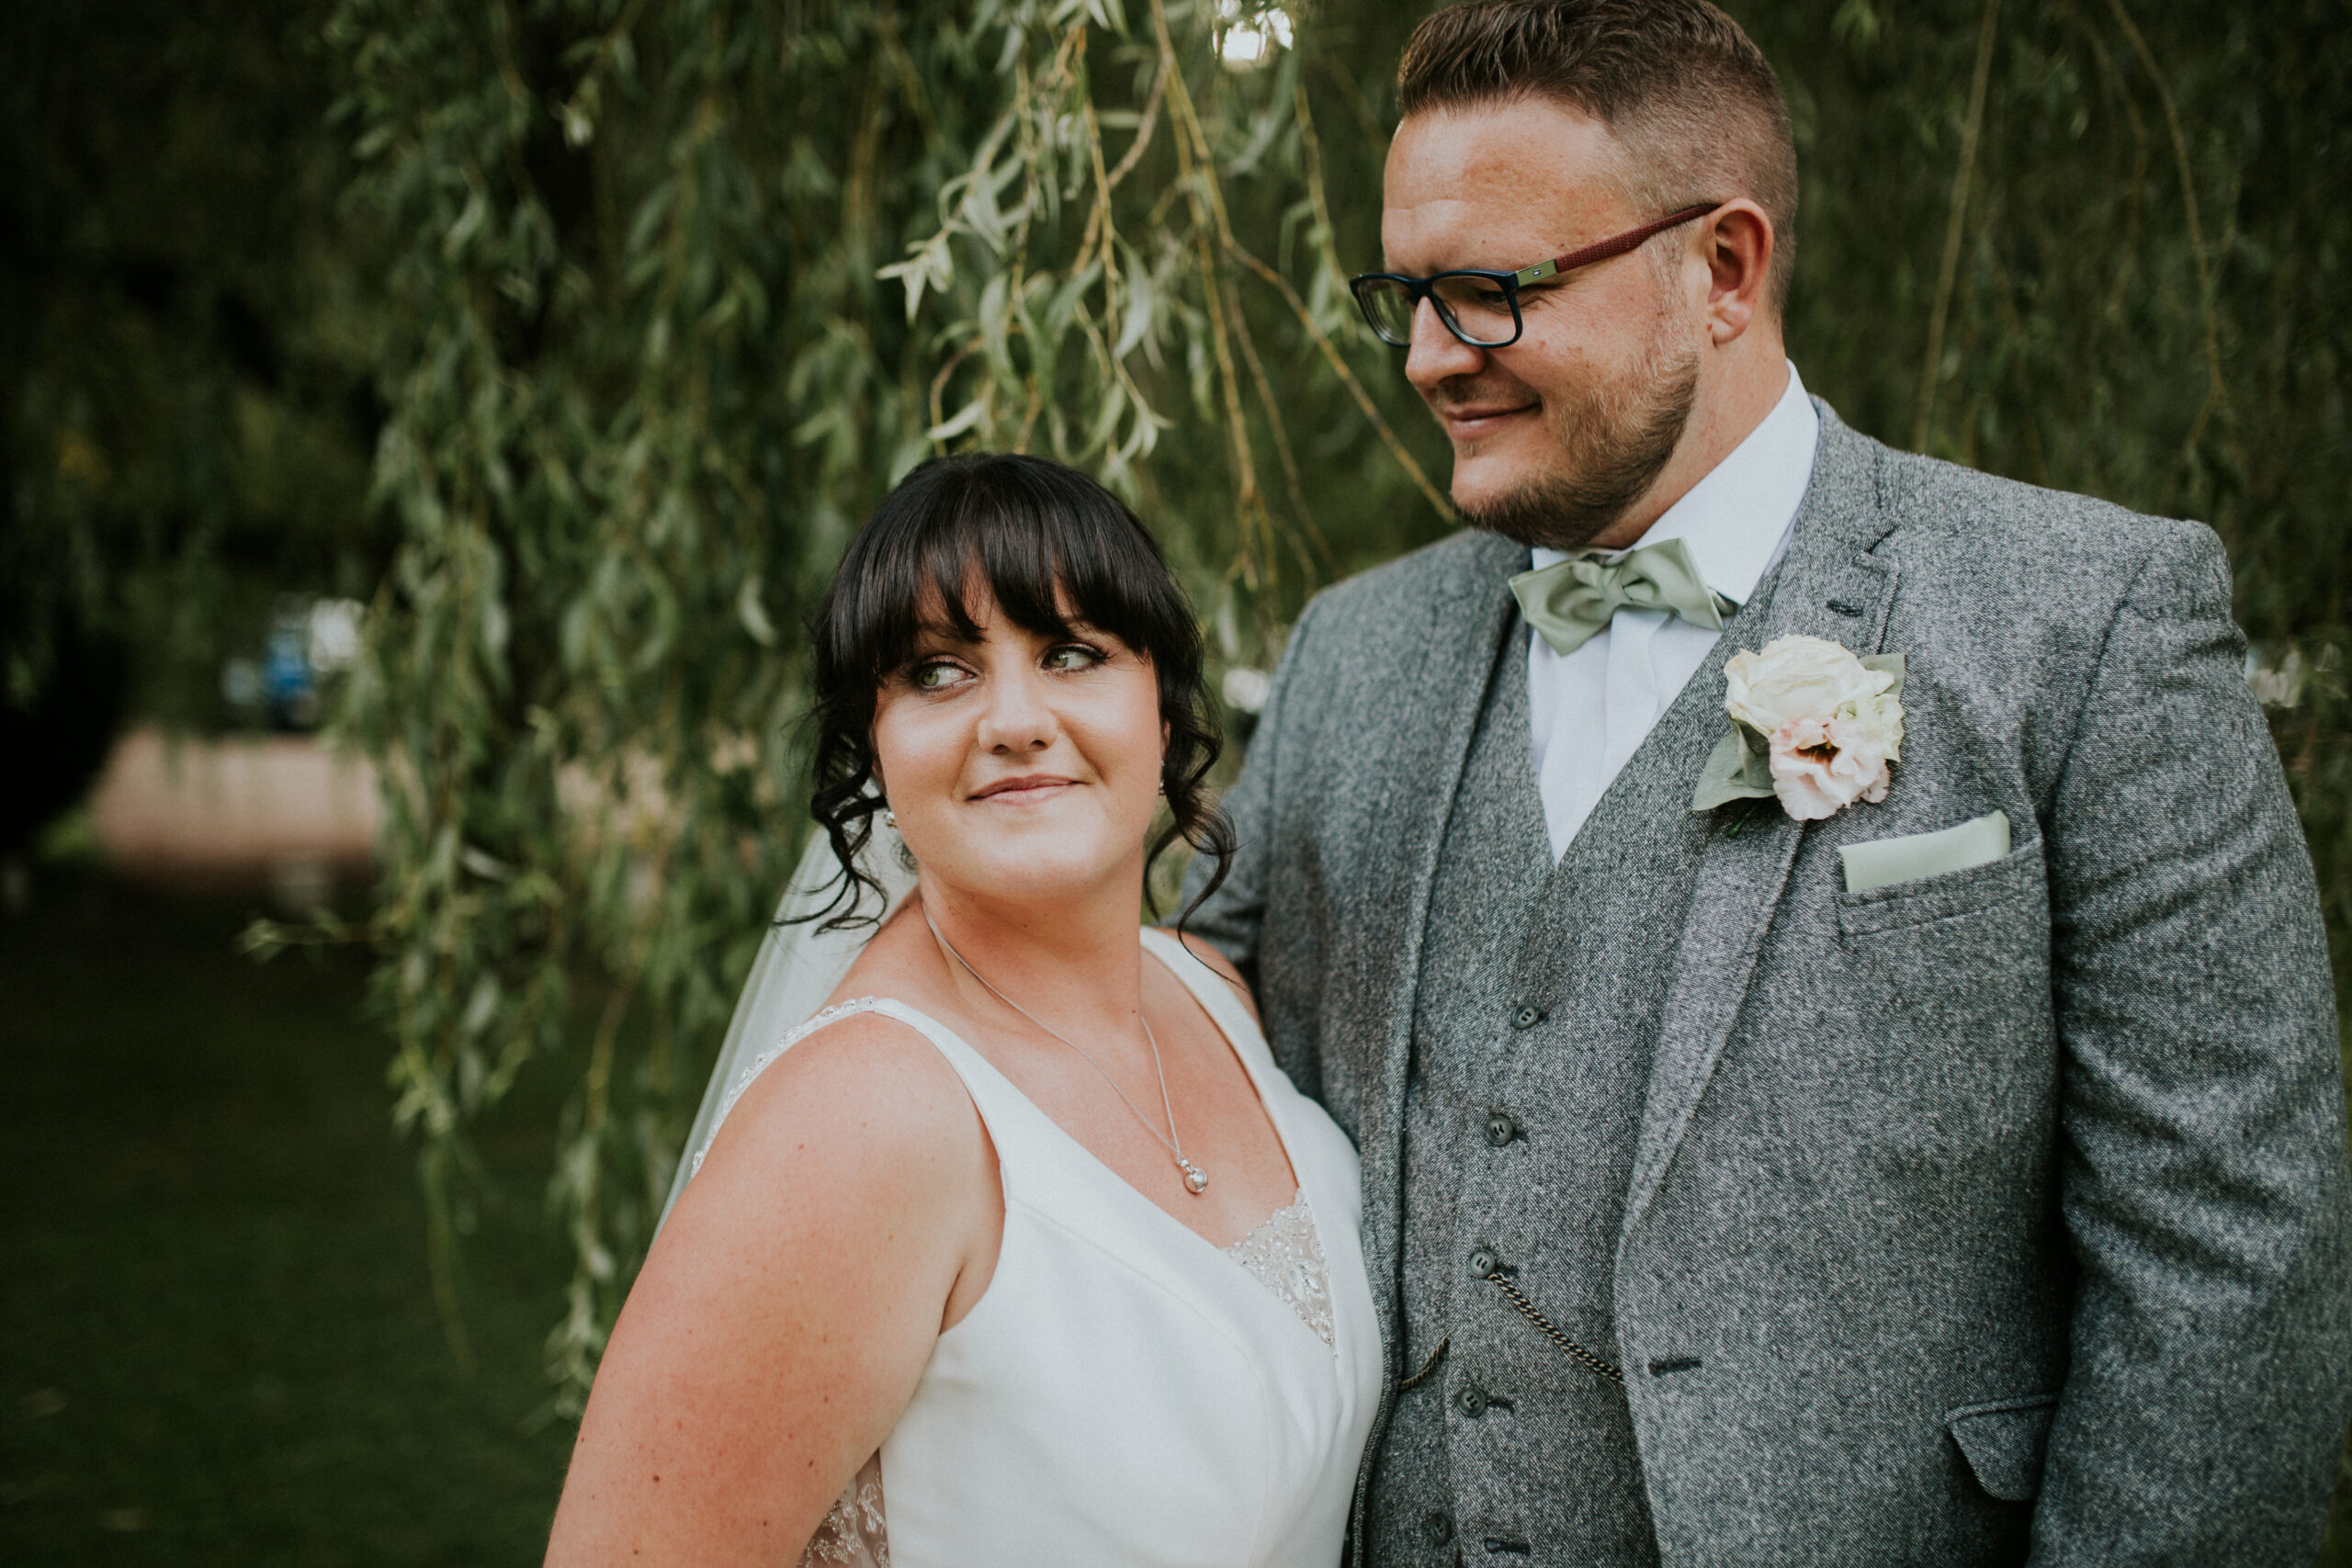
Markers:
1469,618
1829,585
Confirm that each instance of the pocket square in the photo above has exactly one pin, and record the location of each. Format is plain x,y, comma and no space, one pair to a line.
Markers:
1883,862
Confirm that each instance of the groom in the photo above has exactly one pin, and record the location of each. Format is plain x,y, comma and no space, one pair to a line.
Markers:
1912,1133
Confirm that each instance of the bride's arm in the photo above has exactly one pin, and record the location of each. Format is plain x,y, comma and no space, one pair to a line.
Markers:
848,1210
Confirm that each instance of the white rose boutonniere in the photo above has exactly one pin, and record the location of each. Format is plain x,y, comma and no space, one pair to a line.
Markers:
1812,725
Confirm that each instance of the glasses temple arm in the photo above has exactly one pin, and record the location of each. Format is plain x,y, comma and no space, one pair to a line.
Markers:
1620,243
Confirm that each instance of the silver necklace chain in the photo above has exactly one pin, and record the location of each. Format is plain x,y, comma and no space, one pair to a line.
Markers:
1196,1180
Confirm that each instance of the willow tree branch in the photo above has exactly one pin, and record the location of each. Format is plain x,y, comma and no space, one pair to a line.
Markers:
1404,460
1098,220
2216,392
1281,431
1196,170
1948,272
1144,127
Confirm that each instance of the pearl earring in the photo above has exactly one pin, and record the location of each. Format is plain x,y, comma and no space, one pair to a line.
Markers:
889,817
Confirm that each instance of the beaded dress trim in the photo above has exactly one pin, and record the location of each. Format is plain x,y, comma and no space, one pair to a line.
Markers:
1285,1255
852,1535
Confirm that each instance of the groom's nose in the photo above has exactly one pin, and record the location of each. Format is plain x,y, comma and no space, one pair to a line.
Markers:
1436,356
1017,717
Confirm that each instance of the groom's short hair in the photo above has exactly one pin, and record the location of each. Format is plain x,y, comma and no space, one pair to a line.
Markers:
1684,91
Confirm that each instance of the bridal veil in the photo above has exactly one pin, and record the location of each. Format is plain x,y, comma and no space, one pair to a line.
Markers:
799,965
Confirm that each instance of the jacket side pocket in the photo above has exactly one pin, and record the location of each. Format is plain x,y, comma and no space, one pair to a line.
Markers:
2004,1443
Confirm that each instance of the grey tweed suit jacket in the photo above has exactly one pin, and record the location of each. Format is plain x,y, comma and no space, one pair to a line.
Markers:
2018,1187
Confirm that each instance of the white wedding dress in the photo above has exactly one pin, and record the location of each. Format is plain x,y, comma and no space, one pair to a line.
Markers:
1124,1392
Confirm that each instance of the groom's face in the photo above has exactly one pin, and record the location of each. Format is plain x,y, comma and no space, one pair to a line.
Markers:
1556,436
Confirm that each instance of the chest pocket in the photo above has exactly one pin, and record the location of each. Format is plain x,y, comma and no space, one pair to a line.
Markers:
1950,901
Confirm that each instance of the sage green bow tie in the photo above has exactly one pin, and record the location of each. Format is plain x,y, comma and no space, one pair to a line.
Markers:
1568,601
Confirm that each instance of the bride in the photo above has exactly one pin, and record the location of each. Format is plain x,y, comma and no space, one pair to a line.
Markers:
1022,1250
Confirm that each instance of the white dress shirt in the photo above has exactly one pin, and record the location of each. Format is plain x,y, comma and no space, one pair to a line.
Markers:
1588,711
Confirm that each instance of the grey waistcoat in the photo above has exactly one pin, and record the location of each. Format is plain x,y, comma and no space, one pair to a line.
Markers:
1534,1033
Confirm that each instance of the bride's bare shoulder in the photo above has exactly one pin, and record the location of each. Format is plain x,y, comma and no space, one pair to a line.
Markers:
864,1087
858,1141
867,1069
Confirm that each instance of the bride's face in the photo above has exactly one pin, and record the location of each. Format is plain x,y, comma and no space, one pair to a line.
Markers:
1020,765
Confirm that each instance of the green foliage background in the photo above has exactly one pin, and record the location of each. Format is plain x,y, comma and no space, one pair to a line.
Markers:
576,335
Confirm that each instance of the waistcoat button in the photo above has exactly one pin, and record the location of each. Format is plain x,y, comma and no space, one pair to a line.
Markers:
1527,1018
1471,1400
1482,1264
1437,1527
1500,1129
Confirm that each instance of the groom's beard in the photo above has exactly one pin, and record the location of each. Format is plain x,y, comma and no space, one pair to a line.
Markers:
1613,441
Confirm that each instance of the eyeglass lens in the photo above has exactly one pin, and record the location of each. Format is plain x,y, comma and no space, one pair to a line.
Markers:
1477,310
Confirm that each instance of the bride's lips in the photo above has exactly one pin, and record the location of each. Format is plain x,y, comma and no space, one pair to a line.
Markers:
1024,787
1476,421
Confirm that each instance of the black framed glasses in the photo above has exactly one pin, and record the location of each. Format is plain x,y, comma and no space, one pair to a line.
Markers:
1482,308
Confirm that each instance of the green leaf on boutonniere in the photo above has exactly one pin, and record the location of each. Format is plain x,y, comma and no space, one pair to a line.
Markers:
1738,769
1891,663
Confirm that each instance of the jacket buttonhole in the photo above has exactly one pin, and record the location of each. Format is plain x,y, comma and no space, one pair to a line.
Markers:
1673,1364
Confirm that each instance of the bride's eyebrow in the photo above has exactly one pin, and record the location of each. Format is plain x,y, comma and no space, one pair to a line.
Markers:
937,633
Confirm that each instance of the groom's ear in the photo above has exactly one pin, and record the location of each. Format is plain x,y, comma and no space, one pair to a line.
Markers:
1737,240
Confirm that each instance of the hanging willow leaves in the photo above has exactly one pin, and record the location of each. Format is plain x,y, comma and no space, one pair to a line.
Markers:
1093,275
676,291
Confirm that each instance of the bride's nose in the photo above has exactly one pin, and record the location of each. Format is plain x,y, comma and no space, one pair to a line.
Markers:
1017,718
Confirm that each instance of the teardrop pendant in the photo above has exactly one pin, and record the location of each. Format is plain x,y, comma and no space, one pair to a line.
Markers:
1196,1180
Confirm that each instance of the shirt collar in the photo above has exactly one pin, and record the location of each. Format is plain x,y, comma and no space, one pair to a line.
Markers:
1735,520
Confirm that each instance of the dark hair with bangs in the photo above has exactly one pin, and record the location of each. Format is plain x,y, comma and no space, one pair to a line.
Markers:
1038,536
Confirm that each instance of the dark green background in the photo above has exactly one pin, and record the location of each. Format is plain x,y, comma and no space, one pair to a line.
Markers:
218,1340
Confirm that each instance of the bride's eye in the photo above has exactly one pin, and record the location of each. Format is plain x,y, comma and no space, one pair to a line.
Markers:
1073,656
934,675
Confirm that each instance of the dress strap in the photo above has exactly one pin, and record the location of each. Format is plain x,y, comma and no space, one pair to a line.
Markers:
992,1096
1211,990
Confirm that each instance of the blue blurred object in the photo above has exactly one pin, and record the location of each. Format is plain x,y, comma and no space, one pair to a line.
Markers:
288,680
